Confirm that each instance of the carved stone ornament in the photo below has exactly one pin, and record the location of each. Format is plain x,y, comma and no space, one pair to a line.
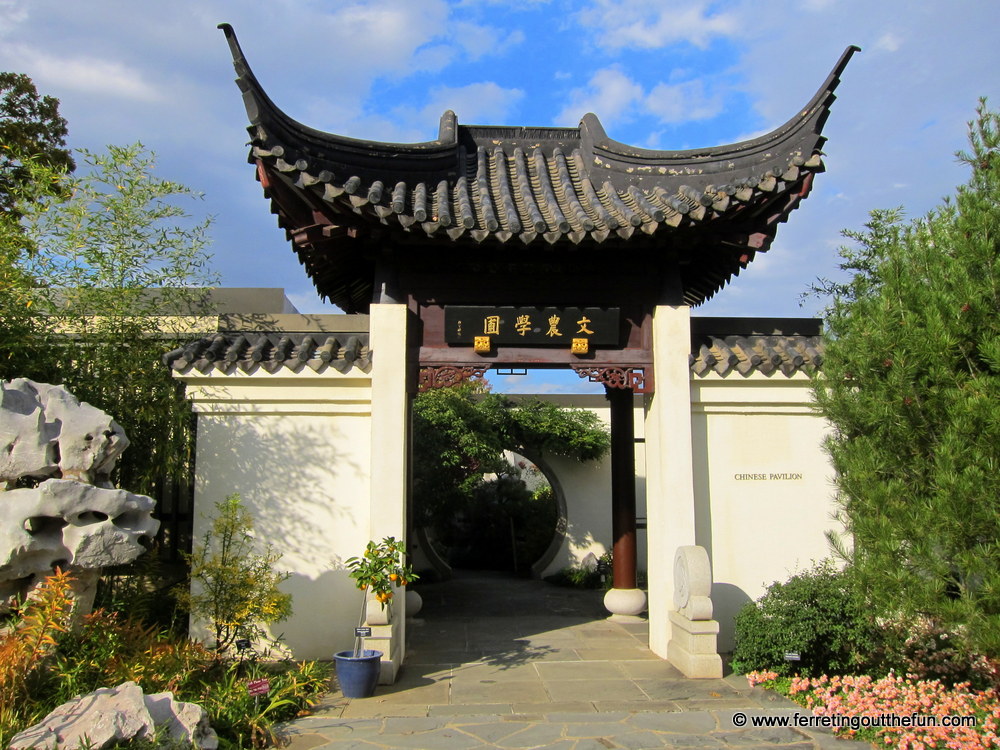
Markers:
74,519
447,376
693,583
693,644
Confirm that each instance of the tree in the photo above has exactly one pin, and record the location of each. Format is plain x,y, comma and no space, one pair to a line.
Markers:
95,275
911,385
235,585
30,128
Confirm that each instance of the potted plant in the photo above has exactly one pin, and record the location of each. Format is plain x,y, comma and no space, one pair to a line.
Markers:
377,572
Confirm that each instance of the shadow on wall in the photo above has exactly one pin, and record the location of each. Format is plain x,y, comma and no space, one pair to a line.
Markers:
727,601
288,475
304,478
583,492
334,604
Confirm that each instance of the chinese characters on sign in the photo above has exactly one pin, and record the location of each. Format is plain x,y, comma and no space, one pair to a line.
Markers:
578,328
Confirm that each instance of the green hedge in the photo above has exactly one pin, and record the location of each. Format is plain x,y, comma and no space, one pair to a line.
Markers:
817,614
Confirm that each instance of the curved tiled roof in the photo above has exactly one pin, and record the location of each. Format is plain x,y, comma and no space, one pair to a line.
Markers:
539,186
755,353
271,351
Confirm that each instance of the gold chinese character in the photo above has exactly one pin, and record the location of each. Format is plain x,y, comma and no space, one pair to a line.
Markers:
583,325
491,324
523,324
553,326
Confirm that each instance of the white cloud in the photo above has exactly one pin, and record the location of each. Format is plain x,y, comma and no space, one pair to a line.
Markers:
651,24
683,102
12,13
478,40
88,75
610,94
484,103
888,42
360,41
615,97
509,4
433,58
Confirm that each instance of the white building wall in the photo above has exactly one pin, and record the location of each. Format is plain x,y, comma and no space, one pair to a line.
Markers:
763,493
763,485
302,451
296,446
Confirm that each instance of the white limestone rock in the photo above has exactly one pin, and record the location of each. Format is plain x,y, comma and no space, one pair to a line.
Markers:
27,442
101,719
112,715
47,432
90,441
181,722
67,524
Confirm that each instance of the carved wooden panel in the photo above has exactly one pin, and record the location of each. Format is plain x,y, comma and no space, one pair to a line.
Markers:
618,377
446,376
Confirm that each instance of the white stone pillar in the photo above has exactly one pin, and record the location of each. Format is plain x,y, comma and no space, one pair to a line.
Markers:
669,474
389,455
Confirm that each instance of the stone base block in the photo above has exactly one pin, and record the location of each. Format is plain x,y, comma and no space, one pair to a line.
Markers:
625,604
693,647
385,638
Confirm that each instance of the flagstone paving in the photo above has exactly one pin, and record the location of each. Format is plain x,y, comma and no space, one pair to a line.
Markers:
495,662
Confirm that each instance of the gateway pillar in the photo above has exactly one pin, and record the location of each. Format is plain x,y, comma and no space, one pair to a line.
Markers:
389,464
625,601
669,474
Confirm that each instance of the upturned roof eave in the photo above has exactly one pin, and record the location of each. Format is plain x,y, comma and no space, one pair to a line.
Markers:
261,110
808,121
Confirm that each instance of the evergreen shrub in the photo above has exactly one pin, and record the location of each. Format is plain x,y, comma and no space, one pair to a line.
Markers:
817,614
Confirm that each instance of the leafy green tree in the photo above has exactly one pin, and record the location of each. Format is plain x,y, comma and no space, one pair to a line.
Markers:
235,587
22,334
911,385
99,278
30,128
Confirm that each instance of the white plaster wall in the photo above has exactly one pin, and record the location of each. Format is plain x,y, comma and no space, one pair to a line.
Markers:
587,491
297,449
763,485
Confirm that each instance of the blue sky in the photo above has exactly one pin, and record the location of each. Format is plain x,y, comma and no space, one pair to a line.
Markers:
658,73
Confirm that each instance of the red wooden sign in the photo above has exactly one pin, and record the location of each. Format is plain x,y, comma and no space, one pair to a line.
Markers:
259,687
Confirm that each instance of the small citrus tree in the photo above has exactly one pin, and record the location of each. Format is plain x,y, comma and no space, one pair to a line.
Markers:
235,587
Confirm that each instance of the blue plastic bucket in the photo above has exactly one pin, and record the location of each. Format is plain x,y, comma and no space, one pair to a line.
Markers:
358,675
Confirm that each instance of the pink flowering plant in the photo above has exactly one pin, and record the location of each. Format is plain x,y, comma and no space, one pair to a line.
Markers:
929,701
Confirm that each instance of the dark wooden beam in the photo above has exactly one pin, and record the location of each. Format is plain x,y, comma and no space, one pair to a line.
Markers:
623,488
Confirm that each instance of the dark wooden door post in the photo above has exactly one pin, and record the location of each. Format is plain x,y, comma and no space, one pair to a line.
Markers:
623,487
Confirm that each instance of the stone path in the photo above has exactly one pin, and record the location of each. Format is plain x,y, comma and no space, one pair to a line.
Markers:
501,663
